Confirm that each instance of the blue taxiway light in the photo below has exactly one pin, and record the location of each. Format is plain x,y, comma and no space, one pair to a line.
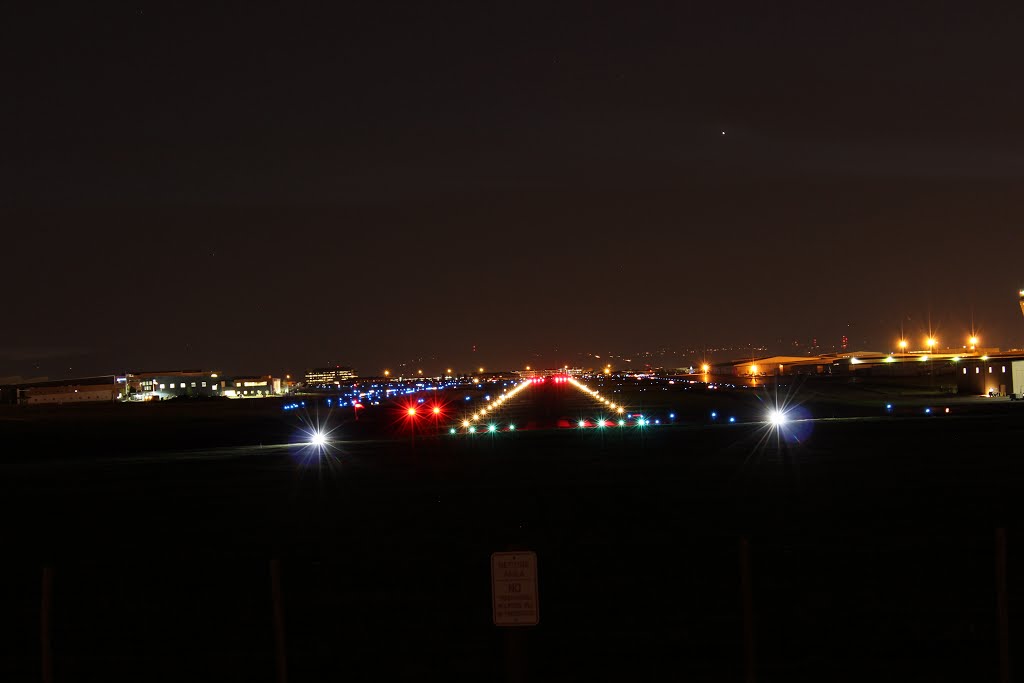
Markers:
732,419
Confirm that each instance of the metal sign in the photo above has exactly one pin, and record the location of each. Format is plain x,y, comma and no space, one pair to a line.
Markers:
514,589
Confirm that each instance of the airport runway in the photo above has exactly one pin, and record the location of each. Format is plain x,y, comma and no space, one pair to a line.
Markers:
872,545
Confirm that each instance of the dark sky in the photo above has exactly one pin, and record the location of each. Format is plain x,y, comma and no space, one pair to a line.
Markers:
370,184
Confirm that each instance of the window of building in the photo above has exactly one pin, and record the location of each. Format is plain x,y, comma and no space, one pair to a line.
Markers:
1004,368
193,385
977,370
163,386
204,384
990,369
965,371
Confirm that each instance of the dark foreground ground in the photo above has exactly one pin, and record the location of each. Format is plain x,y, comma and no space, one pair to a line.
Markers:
872,546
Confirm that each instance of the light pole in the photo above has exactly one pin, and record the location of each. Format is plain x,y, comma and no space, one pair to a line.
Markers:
931,342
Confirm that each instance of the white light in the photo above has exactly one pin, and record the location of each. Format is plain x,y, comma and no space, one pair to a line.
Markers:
318,439
777,418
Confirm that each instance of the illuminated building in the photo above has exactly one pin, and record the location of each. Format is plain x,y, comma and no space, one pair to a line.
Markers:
163,384
252,387
995,375
322,377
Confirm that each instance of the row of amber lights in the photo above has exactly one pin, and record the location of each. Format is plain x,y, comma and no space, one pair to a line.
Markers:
494,405
596,395
932,342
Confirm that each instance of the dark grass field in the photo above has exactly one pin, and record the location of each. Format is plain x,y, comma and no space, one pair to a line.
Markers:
872,541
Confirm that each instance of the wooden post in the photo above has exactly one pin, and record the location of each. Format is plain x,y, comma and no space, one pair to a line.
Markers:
747,594
278,606
45,616
1002,607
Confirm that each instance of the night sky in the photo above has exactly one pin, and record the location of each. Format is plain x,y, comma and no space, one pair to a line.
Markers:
374,184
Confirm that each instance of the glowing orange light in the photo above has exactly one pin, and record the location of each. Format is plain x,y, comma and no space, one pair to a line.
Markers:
411,412
437,411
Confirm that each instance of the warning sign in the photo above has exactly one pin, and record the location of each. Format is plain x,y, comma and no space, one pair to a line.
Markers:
514,589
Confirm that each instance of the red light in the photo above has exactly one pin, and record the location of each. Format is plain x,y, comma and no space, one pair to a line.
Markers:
411,412
437,411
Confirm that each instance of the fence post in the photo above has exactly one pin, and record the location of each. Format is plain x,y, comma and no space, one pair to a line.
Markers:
1002,607
747,593
278,607
45,616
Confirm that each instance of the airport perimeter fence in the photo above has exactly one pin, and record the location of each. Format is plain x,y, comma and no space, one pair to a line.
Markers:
777,614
